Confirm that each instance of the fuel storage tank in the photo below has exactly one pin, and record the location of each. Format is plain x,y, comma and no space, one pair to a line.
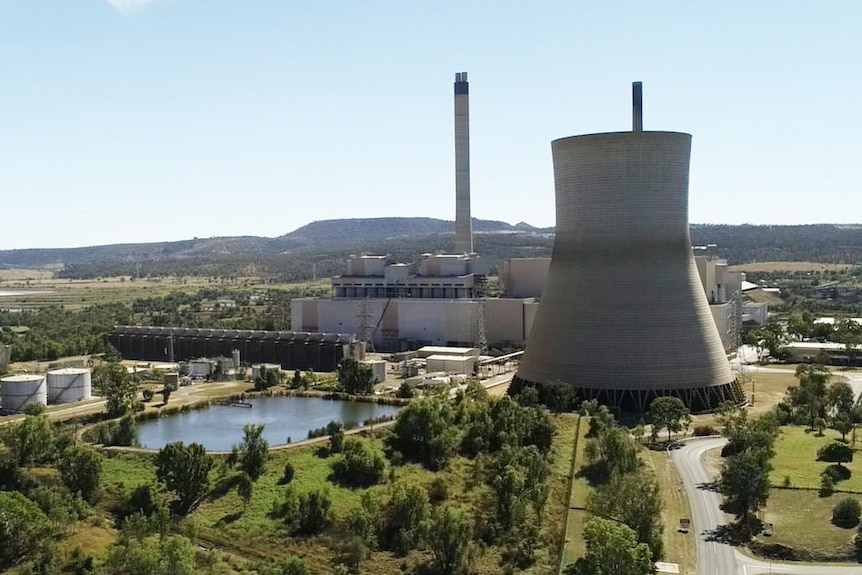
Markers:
623,317
69,385
19,391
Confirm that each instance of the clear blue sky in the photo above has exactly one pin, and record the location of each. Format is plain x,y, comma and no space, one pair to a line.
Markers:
131,121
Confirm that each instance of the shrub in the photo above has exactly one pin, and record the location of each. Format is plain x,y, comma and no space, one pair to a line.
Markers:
335,430
148,394
404,391
438,490
307,513
704,430
287,475
846,513
361,464
827,484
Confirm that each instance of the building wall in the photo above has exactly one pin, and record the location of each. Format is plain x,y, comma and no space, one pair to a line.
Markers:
525,277
421,321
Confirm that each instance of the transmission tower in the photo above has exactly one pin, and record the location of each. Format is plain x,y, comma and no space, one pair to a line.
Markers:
481,333
363,317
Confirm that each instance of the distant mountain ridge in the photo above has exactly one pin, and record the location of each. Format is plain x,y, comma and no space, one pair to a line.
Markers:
321,248
320,234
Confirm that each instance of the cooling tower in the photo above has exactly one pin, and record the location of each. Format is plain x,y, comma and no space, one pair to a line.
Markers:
623,317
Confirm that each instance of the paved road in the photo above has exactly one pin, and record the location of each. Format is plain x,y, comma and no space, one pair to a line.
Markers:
714,558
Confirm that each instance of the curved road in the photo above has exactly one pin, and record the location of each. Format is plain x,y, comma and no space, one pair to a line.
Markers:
714,558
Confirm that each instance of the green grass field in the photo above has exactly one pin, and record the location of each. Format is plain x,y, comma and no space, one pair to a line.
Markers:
802,520
576,514
795,457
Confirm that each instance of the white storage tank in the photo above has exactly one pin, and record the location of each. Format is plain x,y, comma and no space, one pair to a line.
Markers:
69,385
19,391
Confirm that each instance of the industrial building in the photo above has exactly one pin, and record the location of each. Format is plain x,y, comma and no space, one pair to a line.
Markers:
624,315
17,392
58,386
290,350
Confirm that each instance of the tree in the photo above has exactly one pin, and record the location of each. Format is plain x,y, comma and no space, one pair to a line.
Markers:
253,452
835,452
612,549
113,381
669,413
612,451
809,398
185,471
335,431
633,499
507,490
840,399
744,483
32,440
267,378
23,526
356,378
402,518
81,470
166,393
361,464
423,432
450,535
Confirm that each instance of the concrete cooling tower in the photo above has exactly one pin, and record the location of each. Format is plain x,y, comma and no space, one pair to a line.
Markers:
623,317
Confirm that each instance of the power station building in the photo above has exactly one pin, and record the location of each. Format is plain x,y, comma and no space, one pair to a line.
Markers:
624,316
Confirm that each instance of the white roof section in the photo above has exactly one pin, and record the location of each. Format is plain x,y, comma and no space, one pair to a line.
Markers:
833,321
461,358
828,345
430,350
747,285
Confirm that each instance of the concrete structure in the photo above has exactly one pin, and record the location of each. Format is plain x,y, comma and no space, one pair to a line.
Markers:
5,355
291,350
399,324
430,350
69,385
624,317
463,223
171,380
461,364
378,367
19,391
525,277
447,276
202,367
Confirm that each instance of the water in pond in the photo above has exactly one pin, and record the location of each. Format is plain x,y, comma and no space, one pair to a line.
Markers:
219,427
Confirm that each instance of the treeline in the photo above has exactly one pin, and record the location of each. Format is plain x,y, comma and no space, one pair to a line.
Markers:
824,243
53,332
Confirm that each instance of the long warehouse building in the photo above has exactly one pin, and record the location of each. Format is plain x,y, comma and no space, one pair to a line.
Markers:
291,350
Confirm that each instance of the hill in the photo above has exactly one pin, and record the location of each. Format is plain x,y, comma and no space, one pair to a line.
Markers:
321,247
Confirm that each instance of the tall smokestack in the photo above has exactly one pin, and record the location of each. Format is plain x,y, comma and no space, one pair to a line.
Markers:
637,107
463,223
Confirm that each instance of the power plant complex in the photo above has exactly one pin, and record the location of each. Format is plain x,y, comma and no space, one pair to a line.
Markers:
622,311
627,312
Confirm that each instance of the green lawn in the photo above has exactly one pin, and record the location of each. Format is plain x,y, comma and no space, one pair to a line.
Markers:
577,515
802,520
795,457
